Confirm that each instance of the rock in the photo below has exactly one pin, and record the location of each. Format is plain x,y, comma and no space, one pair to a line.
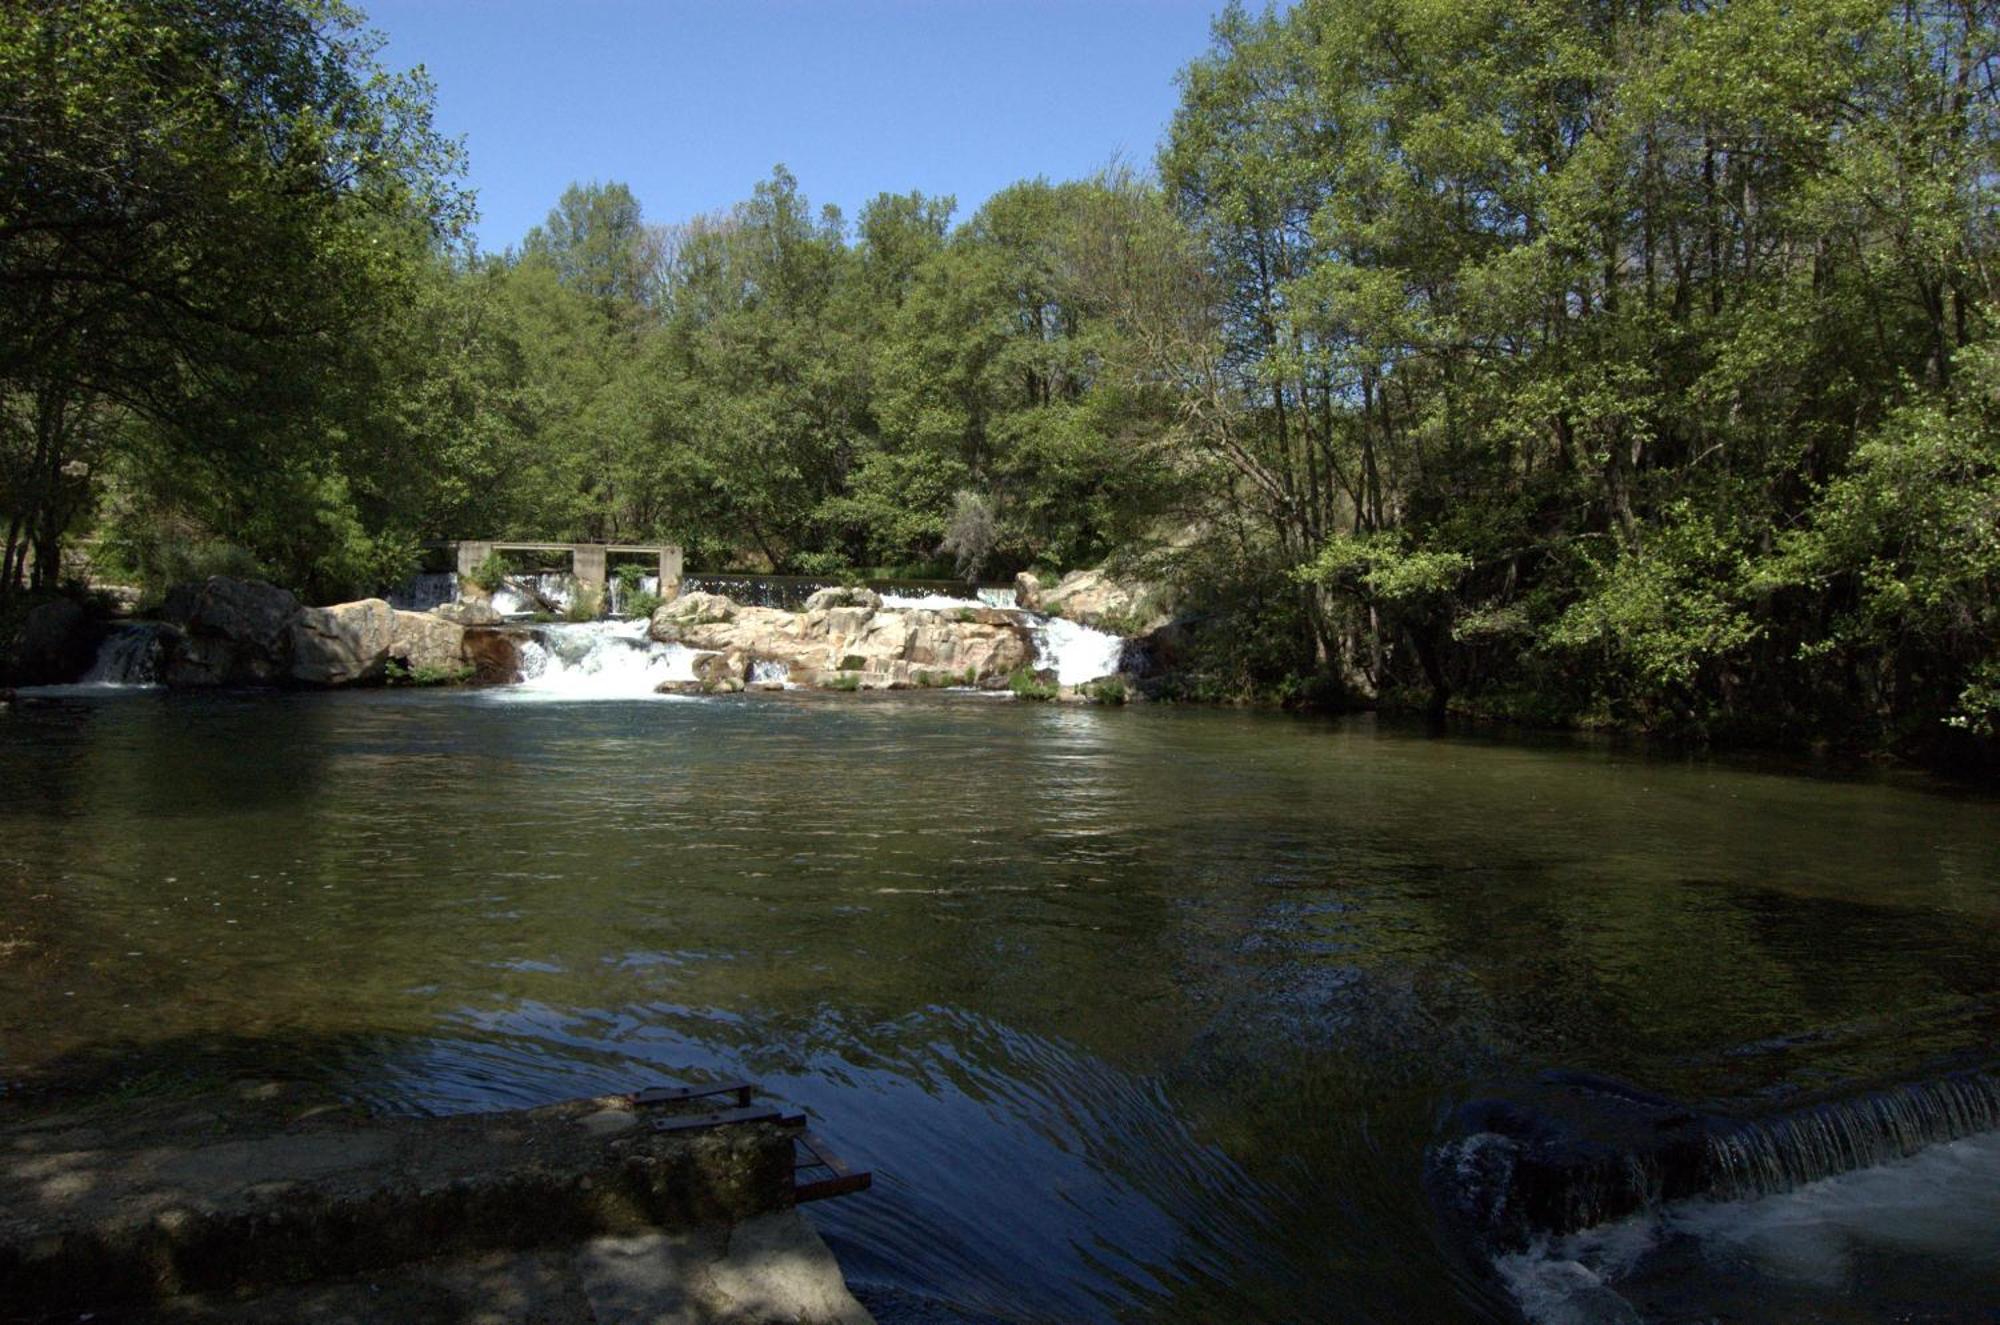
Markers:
345,644
846,640
671,621
1093,598
230,632
55,645
422,641
468,612
494,654
716,671
844,596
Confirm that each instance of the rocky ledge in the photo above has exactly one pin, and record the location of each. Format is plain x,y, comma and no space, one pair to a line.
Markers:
845,640
244,632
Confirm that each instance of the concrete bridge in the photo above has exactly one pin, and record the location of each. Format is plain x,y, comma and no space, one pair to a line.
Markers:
589,562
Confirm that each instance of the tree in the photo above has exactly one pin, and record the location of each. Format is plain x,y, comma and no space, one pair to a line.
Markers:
202,203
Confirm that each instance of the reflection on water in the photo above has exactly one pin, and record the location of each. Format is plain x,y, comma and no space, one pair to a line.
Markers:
1141,1014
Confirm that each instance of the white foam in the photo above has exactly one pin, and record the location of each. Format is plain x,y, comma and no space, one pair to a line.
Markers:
597,660
1939,1207
1079,654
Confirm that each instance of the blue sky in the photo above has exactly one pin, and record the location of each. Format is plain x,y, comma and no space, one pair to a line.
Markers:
692,103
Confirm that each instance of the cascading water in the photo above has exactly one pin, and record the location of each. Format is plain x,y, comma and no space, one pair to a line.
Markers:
1584,1226
648,585
597,660
520,595
426,590
1077,654
1765,1157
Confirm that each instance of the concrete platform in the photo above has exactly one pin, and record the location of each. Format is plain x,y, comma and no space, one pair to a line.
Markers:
264,1201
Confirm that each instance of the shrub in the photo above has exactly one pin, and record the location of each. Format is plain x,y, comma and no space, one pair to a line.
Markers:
584,605
1026,685
399,673
849,681
1106,690
489,573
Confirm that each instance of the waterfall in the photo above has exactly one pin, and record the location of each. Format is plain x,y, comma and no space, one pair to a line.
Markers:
596,660
1571,1152
1802,1209
425,590
557,587
1077,654
648,584
1778,1154
129,656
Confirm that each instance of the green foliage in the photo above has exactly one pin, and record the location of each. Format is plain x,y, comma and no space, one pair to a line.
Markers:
1106,690
489,574
1026,685
1602,364
585,604
846,680
399,674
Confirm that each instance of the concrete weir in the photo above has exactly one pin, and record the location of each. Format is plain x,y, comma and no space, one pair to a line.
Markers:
268,1206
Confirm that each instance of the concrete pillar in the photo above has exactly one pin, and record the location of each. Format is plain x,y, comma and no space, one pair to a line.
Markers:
470,555
588,565
670,574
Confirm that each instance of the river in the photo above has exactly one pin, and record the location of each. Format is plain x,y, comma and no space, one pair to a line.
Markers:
1136,1014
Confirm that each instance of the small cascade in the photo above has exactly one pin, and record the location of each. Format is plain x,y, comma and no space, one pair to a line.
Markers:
555,588
1779,1154
426,590
649,585
1077,654
764,671
597,660
129,656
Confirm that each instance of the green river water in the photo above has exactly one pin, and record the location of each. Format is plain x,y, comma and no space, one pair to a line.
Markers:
1140,1014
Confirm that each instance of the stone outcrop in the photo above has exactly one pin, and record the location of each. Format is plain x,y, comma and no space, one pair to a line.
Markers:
345,644
1093,598
427,642
225,632
469,612
845,639
55,644
228,632
493,654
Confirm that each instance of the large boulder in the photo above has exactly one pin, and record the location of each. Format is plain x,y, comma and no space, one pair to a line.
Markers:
425,642
229,632
846,639
1093,598
672,621
494,654
345,644
55,644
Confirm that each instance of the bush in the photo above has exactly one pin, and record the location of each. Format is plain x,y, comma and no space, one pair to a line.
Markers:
1026,685
1106,690
400,674
849,681
489,573
584,605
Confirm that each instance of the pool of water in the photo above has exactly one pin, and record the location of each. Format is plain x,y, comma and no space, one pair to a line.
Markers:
1139,1014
